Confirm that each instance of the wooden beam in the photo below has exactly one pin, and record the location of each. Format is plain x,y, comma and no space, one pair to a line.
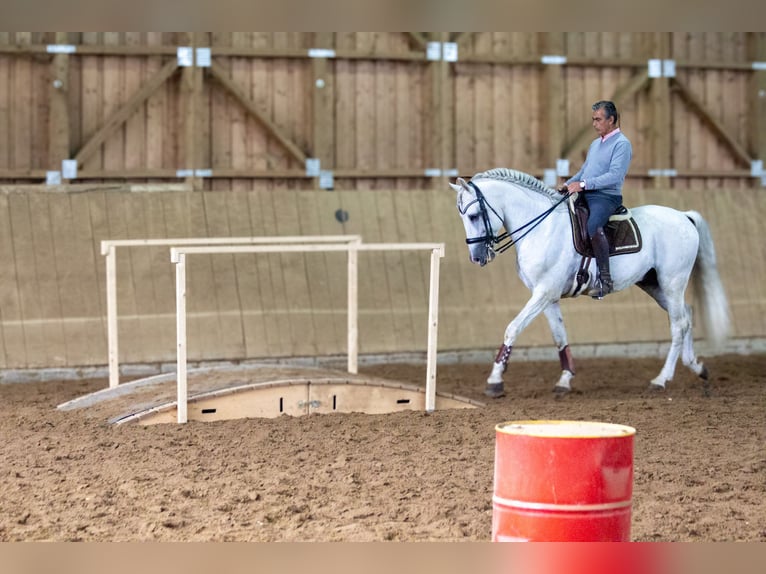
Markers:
419,38
585,134
191,93
127,110
59,123
219,73
757,100
555,98
323,109
435,154
461,37
414,173
660,133
696,106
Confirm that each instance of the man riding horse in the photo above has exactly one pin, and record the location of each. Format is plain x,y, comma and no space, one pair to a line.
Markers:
600,180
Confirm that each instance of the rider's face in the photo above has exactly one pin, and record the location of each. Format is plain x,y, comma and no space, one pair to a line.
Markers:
601,124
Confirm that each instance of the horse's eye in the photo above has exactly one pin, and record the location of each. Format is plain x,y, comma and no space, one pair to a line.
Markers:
473,217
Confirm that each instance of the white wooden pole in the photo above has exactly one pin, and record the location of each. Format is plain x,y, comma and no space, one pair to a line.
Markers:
181,337
111,317
433,326
353,307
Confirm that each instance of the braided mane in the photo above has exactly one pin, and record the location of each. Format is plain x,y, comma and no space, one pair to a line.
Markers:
519,177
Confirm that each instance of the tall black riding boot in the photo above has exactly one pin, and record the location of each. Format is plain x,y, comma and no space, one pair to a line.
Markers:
601,251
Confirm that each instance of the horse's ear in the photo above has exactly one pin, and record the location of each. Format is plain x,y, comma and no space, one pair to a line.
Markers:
461,185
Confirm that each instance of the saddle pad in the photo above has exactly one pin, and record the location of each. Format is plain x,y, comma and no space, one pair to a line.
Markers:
621,231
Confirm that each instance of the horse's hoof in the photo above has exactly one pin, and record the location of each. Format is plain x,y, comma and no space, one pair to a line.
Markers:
561,392
655,388
494,390
704,375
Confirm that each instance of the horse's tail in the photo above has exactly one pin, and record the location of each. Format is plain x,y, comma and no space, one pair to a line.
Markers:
707,286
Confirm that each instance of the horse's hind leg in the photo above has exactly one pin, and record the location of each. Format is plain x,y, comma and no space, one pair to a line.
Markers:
682,341
689,358
556,323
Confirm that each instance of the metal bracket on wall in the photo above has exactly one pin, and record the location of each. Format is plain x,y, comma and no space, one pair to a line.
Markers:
553,60
61,49
436,172
326,179
194,173
189,57
446,51
663,173
313,166
661,68
69,168
321,53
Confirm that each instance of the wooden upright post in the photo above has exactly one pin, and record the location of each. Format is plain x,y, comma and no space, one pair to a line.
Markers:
660,130
554,85
191,88
58,90
323,89
757,135
437,111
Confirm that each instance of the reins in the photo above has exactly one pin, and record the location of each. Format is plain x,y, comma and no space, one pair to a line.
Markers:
493,240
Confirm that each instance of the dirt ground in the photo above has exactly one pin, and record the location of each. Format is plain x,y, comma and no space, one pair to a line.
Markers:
699,462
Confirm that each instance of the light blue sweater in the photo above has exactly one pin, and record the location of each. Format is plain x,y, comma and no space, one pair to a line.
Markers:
606,165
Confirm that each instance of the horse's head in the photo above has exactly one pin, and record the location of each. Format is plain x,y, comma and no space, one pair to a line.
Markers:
482,223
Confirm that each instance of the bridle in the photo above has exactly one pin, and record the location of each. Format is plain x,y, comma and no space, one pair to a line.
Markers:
490,239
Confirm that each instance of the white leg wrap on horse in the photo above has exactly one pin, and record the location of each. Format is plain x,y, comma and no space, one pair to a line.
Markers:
565,380
659,381
496,376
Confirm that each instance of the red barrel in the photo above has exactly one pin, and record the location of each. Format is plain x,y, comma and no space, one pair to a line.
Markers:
562,481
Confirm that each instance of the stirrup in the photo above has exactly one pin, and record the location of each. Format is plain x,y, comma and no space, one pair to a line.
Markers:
604,288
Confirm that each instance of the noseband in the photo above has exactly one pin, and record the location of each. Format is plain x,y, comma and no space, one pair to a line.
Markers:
490,239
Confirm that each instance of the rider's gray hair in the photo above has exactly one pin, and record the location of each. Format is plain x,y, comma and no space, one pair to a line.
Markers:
609,109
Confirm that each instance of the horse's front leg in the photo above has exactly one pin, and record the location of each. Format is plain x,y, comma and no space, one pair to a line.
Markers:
537,303
556,323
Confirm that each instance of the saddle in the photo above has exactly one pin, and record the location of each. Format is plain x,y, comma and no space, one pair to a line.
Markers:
621,230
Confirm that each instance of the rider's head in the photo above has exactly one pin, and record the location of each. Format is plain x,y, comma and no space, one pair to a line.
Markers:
605,117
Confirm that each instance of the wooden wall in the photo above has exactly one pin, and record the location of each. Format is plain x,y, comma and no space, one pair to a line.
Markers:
52,292
383,114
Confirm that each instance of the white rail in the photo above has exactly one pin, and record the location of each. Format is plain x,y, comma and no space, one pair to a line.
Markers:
178,256
109,249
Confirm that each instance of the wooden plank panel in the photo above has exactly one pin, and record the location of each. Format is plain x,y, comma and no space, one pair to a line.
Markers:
246,277
270,299
20,124
227,303
92,98
714,151
45,283
13,351
336,270
58,90
114,96
70,265
321,298
345,105
364,104
157,121
296,284
394,278
204,323
131,342
376,323
90,262
135,126
6,65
